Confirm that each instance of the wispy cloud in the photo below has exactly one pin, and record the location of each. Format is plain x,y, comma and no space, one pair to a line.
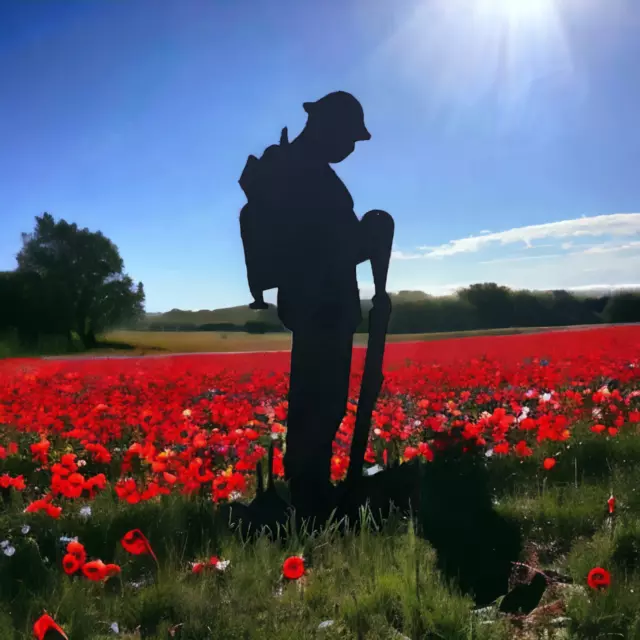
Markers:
451,289
401,255
616,225
611,247
544,256
570,254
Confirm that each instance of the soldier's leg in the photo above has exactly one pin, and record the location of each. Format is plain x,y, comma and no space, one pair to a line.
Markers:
320,369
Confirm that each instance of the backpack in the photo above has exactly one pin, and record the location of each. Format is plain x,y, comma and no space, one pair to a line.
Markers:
258,218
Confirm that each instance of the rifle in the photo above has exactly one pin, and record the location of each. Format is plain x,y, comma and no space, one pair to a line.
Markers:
379,227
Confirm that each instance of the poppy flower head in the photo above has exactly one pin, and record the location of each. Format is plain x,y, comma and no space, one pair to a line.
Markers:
611,504
45,626
71,564
136,543
95,570
599,578
293,568
111,570
549,463
77,550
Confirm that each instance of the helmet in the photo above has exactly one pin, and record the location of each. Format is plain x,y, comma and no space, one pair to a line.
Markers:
343,109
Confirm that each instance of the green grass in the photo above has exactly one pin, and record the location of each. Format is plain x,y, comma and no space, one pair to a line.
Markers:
371,584
10,346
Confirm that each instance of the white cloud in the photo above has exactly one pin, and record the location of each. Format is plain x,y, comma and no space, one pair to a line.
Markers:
571,254
611,247
401,255
544,256
450,289
606,287
618,224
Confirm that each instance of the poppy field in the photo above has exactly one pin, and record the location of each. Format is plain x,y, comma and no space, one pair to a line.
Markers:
114,474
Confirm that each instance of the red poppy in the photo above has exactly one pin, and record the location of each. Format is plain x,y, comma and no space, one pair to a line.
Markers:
502,448
136,543
111,570
71,564
95,570
293,568
44,504
77,550
599,578
523,450
611,503
549,463
46,626
598,428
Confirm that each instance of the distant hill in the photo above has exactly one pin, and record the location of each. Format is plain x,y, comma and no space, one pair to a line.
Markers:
479,306
237,317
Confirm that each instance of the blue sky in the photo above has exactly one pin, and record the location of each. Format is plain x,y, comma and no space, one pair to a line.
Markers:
505,137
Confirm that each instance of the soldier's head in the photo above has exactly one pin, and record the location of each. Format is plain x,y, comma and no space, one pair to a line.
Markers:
336,123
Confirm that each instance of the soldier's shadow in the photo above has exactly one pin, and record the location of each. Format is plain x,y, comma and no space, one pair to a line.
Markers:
449,500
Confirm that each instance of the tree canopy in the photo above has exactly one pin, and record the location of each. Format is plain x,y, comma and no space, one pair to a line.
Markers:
69,279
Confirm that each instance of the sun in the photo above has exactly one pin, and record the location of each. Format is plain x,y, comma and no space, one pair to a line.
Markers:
515,11
461,53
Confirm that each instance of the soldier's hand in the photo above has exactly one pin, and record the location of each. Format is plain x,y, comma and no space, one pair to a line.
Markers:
382,302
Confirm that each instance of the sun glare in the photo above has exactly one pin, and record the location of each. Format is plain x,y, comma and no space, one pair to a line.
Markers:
518,10
466,51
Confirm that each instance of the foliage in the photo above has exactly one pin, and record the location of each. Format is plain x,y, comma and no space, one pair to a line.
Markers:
68,280
479,306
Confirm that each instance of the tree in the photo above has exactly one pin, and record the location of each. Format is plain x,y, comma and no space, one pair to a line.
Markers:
493,303
622,307
86,271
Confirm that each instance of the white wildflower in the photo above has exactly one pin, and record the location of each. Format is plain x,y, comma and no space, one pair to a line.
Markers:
82,463
85,512
546,397
371,471
9,551
377,431
25,529
115,627
524,414
4,544
325,625
187,413
222,565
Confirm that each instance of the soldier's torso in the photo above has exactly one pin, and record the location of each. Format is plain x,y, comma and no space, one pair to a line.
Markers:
318,220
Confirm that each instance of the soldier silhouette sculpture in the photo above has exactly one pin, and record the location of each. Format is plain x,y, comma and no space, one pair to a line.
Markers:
301,236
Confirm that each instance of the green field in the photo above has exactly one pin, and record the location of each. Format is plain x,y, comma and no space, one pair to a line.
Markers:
141,342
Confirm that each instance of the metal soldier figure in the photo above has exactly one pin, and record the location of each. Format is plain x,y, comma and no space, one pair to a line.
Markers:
301,236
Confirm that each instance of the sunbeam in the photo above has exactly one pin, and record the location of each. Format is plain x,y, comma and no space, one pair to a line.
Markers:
465,51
